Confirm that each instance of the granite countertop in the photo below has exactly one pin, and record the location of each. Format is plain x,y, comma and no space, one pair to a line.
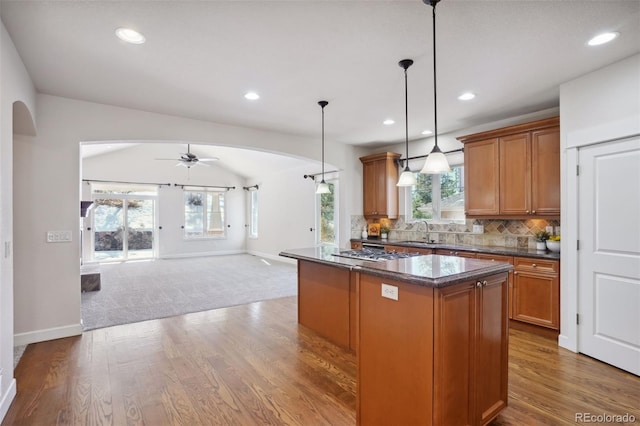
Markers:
426,270
505,251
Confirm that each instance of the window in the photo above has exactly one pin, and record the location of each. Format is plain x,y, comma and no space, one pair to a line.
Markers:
204,214
327,218
253,219
438,197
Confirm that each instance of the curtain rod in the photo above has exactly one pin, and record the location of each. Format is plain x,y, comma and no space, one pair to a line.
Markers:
248,188
130,183
228,188
402,160
313,176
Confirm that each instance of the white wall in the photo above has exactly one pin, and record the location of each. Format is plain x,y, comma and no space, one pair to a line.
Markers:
600,106
15,86
48,176
139,164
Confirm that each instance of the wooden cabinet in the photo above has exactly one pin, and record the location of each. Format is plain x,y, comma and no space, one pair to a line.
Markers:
324,301
380,193
404,249
502,258
471,359
536,292
514,171
448,252
435,356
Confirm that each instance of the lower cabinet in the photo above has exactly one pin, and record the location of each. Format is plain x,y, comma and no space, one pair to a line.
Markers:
502,258
434,356
405,249
536,292
458,253
326,302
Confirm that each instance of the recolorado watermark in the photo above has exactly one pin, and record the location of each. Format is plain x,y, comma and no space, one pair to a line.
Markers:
605,418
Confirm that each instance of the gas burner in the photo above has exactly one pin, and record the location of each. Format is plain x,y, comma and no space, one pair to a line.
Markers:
374,255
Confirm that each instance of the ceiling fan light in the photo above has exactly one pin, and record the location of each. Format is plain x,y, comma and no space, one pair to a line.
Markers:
436,163
323,188
407,178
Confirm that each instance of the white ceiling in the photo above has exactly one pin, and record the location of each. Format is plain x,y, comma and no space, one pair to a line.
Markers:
202,56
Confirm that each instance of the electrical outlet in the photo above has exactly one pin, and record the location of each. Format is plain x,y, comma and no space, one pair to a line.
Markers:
478,229
549,229
389,291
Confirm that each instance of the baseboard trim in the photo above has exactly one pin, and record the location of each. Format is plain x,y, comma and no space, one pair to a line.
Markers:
201,254
273,257
21,339
568,344
7,399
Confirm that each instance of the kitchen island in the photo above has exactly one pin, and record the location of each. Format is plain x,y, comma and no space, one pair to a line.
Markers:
430,332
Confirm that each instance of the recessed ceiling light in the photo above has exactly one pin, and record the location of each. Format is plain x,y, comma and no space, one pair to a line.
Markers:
467,96
252,96
427,132
602,39
130,36
388,122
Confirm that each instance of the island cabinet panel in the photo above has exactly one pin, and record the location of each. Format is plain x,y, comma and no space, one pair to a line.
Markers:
509,260
324,301
395,354
471,352
436,356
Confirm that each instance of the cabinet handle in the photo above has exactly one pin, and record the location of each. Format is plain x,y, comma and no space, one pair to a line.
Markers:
534,265
533,212
484,283
478,284
515,273
527,212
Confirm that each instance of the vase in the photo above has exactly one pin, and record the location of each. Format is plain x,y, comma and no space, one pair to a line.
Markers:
541,245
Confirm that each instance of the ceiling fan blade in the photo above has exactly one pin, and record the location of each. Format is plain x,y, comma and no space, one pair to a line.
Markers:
209,159
200,163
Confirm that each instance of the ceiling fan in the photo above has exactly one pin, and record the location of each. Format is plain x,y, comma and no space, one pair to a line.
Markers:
188,159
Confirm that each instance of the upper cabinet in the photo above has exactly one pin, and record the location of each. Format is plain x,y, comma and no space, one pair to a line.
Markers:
380,193
513,172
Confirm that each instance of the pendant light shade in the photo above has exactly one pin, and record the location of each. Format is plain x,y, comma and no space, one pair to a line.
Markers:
407,178
436,162
323,187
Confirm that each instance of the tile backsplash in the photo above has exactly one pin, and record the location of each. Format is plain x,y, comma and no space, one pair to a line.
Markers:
497,232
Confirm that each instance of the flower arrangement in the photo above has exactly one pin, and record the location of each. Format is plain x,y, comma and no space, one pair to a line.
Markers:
541,236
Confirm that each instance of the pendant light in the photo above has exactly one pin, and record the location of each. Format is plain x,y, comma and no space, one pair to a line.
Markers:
407,178
323,187
436,162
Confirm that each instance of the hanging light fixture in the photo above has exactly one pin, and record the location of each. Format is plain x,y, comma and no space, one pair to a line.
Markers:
323,187
407,178
436,162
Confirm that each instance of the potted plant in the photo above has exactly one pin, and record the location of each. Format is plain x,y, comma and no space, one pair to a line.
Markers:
384,232
541,240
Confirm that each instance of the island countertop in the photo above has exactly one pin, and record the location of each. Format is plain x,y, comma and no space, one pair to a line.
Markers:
427,270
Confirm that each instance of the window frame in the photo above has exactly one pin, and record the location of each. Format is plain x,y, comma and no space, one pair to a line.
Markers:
254,214
205,214
436,201
332,182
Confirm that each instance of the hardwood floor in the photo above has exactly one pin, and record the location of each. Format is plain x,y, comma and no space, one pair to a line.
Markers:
253,365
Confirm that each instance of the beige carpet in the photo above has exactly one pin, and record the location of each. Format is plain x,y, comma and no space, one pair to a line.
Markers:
143,290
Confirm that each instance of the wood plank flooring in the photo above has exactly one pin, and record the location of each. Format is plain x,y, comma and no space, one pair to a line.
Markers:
254,365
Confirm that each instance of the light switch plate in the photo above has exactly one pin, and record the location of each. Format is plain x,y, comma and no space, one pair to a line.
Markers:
389,291
58,236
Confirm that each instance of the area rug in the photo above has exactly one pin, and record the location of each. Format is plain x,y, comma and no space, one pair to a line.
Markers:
142,290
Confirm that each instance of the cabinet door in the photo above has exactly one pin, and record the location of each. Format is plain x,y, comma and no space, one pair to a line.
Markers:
370,194
453,359
536,298
515,174
481,178
545,172
492,348
508,259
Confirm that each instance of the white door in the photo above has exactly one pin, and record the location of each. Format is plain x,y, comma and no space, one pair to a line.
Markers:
609,253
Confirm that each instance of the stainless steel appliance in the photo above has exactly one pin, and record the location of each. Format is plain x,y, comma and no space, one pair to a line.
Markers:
374,252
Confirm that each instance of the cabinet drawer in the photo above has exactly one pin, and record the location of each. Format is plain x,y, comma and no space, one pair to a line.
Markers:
447,252
536,265
496,257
